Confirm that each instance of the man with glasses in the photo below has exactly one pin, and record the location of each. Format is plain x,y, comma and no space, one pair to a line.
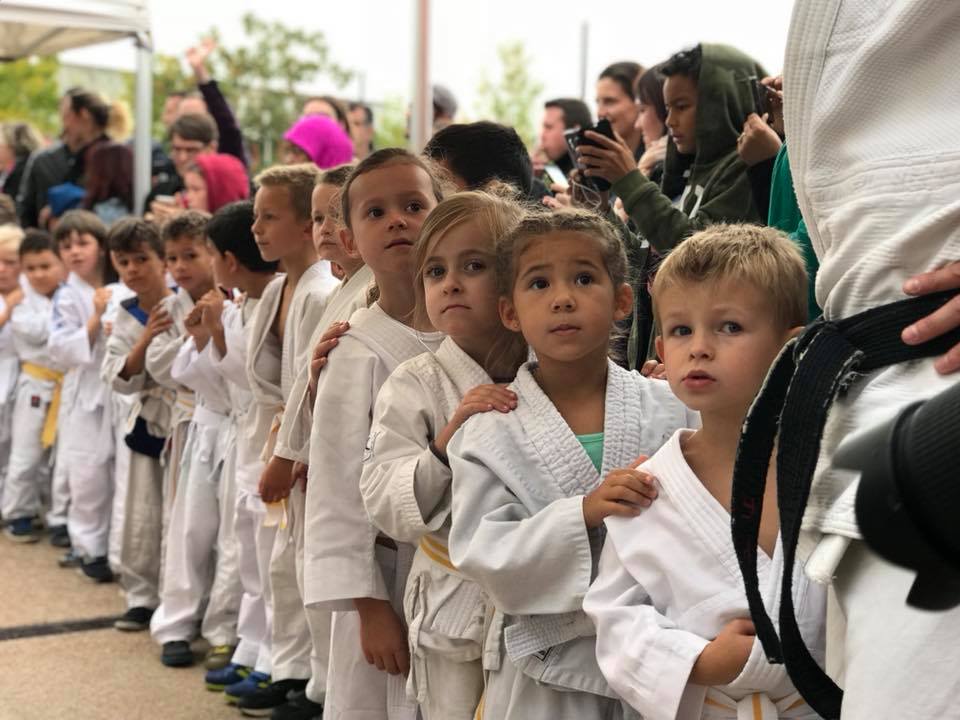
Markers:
190,135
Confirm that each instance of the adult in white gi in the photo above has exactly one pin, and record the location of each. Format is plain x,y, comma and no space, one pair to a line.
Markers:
87,432
345,557
35,409
518,530
406,491
668,582
879,196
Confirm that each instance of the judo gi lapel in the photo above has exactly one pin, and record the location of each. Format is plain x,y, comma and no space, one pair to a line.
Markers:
390,339
556,444
464,372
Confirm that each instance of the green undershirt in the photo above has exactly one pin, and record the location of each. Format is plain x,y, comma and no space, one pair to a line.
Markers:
593,445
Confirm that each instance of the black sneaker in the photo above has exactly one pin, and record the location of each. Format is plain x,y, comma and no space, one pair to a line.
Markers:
98,570
262,702
299,708
177,654
70,559
134,619
59,537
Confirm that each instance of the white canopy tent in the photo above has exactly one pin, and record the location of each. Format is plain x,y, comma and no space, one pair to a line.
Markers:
45,27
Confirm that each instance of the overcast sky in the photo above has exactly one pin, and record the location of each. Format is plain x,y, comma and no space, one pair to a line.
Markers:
376,36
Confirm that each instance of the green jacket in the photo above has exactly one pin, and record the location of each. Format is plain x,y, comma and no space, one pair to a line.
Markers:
785,215
714,183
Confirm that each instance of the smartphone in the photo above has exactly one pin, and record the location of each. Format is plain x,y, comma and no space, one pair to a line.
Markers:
556,175
166,199
576,137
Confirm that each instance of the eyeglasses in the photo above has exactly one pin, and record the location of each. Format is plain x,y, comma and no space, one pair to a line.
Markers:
185,149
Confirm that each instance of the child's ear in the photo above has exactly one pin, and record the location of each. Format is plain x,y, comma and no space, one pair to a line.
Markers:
658,344
232,263
623,302
349,242
508,314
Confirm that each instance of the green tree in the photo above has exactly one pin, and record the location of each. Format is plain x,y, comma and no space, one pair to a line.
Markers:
168,77
391,123
262,77
511,101
29,92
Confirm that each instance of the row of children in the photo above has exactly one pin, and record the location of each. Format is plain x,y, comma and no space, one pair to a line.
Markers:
408,514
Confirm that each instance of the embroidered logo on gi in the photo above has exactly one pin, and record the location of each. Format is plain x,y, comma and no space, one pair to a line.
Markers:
371,443
35,401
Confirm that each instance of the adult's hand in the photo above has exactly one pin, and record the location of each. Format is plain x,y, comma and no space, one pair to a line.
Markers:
758,141
197,58
942,321
610,159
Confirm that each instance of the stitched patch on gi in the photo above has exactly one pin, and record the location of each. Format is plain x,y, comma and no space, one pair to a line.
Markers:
35,401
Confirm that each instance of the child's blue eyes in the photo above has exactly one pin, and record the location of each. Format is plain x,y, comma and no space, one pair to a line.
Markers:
732,327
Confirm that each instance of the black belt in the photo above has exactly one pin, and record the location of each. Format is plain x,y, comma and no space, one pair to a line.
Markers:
825,360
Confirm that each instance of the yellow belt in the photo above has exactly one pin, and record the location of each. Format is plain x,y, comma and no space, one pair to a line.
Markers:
436,551
39,372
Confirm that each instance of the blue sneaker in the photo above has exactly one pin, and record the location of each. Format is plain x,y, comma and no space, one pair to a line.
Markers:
218,680
21,530
249,685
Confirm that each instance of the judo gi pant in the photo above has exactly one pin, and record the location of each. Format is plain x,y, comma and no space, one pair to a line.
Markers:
445,629
511,694
356,690
190,555
121,405
226,592
29,463
59,483
254,547
292,645
895,659
89,465
141,535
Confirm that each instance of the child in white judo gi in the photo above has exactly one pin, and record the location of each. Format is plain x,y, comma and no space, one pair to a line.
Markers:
187,571
237,265
38,392
674,635
136,251
531,488
10,294
290,308
293,436
348,566
77,342
406,479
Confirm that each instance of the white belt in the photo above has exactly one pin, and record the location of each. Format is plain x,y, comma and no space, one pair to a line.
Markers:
757,706
205,417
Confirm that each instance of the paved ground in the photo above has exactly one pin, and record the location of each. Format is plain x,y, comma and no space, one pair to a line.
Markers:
54,667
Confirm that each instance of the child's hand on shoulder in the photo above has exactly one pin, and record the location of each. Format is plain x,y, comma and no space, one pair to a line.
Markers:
481,399
382,636
724,657
624,492
327,342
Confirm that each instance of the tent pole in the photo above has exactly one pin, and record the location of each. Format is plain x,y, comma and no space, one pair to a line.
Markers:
143,122
421,113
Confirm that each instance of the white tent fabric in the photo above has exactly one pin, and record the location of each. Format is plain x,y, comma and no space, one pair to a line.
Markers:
46,27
